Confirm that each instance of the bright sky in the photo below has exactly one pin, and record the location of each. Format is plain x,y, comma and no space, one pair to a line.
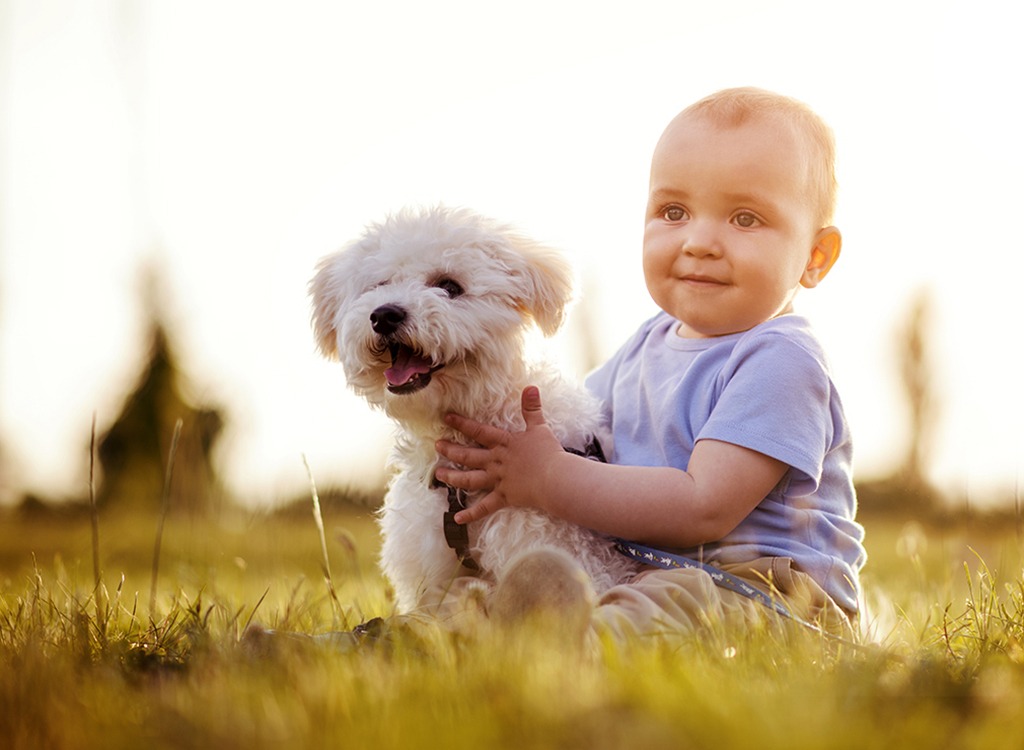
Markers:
232,144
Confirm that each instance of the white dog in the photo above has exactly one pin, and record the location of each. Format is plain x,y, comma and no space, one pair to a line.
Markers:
427,313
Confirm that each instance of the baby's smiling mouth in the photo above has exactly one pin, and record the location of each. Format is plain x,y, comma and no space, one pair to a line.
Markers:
699,280
410,370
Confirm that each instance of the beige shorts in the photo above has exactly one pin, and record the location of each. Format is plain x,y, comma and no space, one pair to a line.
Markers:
672,602
684,600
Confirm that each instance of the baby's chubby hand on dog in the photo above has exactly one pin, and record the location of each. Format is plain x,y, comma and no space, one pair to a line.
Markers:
510,466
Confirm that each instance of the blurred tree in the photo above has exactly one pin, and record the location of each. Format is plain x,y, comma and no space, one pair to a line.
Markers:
908,491
6,494
133,453
917,366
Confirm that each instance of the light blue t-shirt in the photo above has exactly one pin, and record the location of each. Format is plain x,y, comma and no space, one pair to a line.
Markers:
767,389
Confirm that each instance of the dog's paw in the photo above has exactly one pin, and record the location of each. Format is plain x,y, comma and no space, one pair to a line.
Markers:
548,586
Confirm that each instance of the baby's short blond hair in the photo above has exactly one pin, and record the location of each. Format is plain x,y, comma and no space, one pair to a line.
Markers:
733,107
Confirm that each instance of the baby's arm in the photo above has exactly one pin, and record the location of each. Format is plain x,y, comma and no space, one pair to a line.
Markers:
654,504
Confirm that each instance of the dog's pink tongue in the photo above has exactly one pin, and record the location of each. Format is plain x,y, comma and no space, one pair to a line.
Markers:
406,364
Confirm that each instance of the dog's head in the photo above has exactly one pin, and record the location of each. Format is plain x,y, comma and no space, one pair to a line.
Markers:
427,310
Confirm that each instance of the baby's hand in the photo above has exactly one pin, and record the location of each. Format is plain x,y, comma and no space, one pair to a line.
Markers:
509,466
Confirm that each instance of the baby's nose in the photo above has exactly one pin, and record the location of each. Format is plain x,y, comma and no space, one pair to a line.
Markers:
702,240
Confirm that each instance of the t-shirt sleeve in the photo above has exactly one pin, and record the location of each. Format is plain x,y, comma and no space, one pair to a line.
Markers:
775,399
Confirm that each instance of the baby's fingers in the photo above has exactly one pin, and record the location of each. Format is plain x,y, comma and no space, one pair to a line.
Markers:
478,432
463,455
474,480
480,509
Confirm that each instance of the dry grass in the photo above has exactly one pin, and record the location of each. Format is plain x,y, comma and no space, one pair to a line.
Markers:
947,669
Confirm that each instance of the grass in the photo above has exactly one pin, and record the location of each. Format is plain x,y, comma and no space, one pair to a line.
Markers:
87,666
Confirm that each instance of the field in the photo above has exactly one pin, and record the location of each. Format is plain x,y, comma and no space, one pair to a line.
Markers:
106,667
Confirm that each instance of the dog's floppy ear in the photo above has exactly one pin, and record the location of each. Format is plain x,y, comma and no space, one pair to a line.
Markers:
549,280
328,289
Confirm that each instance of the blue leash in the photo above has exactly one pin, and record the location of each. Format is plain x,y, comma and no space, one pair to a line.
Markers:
669,561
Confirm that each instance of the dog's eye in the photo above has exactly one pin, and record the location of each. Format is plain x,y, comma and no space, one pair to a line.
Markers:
449,286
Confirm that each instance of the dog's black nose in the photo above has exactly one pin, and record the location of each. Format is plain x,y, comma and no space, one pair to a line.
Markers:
386,319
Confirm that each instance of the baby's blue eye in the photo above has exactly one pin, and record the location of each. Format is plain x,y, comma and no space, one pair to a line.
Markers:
674,213
745,220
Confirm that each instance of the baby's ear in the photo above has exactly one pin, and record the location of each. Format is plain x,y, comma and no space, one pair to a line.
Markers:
824,254
549,280
327,290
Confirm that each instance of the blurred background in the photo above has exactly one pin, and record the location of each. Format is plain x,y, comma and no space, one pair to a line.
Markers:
171,171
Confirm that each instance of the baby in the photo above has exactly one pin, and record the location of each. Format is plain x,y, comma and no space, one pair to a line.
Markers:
731,448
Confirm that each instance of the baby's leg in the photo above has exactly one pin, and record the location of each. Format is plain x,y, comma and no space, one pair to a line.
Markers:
666,602
660,602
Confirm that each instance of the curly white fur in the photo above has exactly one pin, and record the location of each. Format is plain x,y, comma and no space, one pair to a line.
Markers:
427,313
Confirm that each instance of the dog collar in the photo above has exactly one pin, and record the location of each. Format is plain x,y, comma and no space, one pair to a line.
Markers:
456,535
591,450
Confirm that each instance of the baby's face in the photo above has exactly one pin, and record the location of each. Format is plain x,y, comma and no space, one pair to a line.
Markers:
730,234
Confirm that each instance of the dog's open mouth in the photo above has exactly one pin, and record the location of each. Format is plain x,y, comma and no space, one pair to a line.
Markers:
410,370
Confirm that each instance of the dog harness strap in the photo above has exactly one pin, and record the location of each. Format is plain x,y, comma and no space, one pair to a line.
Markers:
667,560
456,534
592,450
